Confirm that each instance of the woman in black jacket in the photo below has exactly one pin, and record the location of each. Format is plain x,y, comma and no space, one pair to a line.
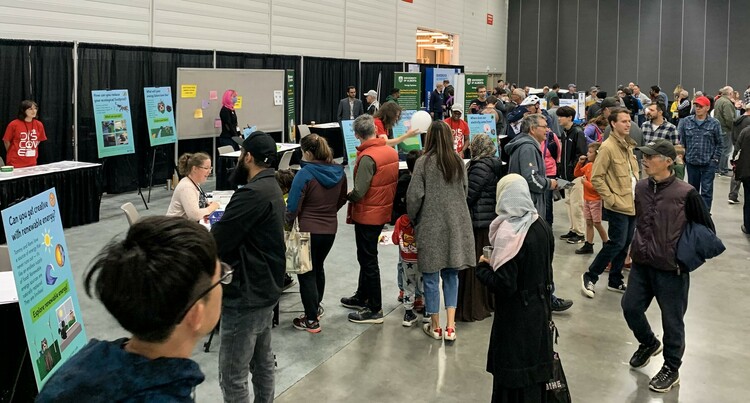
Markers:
485,169
519,273
742,173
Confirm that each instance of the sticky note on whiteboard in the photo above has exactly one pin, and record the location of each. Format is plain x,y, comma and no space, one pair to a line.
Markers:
278,97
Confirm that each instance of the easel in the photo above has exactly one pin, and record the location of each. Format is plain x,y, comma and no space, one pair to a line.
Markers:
153,164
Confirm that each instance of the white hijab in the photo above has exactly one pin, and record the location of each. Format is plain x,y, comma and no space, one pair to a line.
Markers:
515,214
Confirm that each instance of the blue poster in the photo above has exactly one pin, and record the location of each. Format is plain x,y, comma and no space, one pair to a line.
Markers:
483,124
400,128
160,115
350,140
435,75
114,128
47,295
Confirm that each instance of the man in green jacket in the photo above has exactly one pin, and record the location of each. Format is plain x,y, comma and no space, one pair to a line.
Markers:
725,113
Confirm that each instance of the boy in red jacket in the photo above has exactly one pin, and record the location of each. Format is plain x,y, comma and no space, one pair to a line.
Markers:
592,202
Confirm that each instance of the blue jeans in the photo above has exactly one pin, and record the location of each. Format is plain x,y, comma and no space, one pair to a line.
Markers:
246,348
620,231
431,282
702,179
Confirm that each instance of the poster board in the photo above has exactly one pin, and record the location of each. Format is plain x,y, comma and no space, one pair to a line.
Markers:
199,94
400,128
472,81
483,124
114,127
409,85
160,115
47,296
350,141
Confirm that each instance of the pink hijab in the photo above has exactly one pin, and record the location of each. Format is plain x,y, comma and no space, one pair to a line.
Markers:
226,100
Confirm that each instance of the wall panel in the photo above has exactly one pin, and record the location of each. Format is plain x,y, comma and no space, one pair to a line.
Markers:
627,41
530,35
671,45
693,44
717,29
739,46
588,28
648,44
513,48
606,54
567,37
548,15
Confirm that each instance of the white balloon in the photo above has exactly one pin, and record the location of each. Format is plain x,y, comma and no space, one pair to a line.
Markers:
421,120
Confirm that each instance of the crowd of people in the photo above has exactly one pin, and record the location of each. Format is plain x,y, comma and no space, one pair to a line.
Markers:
483,228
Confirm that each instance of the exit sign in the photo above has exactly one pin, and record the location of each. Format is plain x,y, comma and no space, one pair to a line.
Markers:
490,19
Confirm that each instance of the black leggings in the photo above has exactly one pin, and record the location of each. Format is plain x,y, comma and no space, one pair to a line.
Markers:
313,283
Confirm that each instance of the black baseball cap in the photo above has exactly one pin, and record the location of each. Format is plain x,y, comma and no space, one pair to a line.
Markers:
659,147
610,102
261,146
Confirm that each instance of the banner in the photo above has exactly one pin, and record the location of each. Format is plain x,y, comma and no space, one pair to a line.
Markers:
114,128
435,76
291,113
581,109
472,82
410,85
160,115
483,124
47,295
350,141
400,128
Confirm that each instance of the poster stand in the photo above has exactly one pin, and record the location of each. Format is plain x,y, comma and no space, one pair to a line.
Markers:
163,151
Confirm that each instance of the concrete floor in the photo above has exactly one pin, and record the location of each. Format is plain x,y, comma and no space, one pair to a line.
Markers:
350,362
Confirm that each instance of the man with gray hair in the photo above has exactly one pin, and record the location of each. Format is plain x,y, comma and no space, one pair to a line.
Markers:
724,112
370,205
526,160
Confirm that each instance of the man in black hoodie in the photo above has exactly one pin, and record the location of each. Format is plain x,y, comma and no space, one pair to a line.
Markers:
739,124
250,237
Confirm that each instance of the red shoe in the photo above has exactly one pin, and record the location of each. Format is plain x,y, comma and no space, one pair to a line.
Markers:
449,334
418,305
400,296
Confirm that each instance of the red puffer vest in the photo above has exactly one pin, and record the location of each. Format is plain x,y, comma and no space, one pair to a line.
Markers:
375,207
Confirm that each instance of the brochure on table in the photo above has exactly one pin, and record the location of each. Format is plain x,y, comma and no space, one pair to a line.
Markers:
350,141
403,126
160,115
47,295
483,124
114,127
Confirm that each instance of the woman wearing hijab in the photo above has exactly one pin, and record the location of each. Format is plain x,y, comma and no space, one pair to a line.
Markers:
519,272
436,204
474,301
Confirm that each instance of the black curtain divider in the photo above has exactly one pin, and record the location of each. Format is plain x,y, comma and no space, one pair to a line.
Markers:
16,84
370,71
325,84
102,67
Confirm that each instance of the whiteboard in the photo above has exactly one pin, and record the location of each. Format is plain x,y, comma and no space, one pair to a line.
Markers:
196,112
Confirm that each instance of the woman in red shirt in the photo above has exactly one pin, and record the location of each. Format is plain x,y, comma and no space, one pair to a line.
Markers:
23,135
385,118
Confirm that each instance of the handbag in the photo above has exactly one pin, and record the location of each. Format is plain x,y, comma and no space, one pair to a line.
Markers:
298,259
557,387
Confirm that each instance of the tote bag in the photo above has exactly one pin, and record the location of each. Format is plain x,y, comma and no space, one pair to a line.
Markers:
298,260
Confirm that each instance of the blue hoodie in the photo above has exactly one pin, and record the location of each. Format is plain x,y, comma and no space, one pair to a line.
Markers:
318,192
104,372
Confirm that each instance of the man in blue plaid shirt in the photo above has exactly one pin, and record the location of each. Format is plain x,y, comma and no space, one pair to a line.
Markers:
656,127
701,136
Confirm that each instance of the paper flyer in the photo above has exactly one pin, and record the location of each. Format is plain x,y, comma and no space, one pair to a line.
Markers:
213,95
238,104
47,295
114,127
160,115
188,90
400,128
483,124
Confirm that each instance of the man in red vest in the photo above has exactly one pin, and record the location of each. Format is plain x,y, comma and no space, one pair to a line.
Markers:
370,205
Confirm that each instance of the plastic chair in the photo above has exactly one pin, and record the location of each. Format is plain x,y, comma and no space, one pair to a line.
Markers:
130,213
285,159
303,131
225,150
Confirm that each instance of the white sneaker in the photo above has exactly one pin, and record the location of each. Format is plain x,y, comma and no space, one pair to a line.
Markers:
587,287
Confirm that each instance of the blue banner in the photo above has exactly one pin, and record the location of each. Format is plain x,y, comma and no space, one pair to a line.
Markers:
483,124
114,128
160,115
400,128
47,295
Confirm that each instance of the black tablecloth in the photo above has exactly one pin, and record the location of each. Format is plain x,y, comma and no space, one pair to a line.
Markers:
78,193
334,137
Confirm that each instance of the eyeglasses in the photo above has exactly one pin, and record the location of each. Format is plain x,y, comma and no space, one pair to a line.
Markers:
208,168
226,278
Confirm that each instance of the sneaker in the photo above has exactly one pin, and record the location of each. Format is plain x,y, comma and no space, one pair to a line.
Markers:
321,312
664,380
568,235
426,318
288,282
560,305
436,333
419,305
587,286
409,318
353,302
621,288
643,355
586,249
400,297
576,239
365,315
744,230
734,201
301,323
449,334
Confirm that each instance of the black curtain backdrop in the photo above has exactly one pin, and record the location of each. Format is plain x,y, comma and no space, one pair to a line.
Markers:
234,60
102,67
325,84
16,84
370,71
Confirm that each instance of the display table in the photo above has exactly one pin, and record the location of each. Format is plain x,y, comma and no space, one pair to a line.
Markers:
229,160
332,133
280,149
78,186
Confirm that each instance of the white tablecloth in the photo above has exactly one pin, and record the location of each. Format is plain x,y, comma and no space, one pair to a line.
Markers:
46,169
280,148
332,125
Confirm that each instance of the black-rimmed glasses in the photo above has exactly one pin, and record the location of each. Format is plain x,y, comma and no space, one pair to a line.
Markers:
226,278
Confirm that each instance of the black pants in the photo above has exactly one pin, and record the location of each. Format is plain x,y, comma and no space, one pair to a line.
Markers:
368,288
620,233
313,283
746,204
671,293
222,166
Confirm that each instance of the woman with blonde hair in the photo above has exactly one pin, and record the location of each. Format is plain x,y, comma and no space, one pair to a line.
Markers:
189,200
436,204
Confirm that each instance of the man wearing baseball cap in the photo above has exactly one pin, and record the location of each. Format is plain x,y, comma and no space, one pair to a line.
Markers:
459,128
250,238
372,102
656,273
701,136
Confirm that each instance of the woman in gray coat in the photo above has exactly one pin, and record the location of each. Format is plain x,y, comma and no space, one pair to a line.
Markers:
436,203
